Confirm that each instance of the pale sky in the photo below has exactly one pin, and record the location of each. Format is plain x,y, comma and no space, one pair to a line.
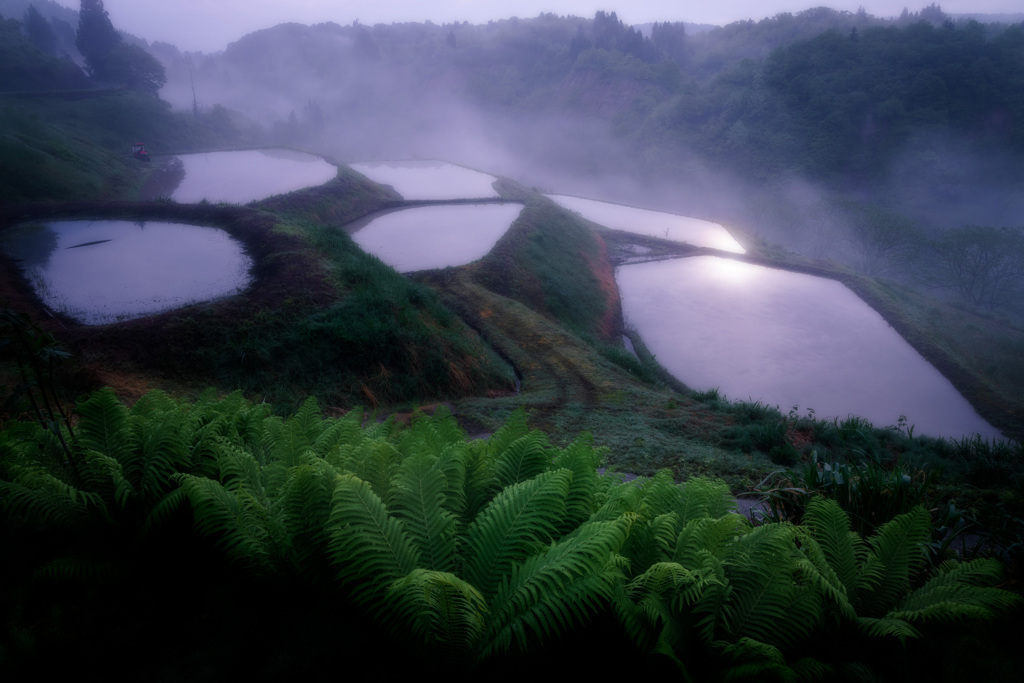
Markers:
209,25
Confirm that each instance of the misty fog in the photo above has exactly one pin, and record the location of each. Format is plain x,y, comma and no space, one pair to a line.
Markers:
464,94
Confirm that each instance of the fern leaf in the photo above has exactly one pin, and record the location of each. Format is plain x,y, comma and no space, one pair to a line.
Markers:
762,600
418,499
580,458
105,425
898,547
369,548
845,553
447,615
300,433
523,459
702,497
551,592
518,520
960,591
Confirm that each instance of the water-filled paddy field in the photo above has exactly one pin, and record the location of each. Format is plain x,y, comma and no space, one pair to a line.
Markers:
437,180
429,237
787,339
239,177
668,226
99,272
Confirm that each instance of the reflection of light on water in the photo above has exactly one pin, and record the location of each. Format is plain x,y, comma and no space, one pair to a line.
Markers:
731,272
787,339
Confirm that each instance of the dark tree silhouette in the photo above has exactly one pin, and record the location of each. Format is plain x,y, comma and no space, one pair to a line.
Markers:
39,31
96,36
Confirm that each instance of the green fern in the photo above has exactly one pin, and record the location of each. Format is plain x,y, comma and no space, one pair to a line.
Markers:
370,548
418,497
446,615
513,526
548,593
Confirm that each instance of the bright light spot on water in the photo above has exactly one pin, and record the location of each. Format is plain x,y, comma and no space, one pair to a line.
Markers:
667,226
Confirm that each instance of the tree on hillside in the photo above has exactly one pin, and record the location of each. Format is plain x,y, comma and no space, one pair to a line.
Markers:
133,66
110,59
96,35
39,31
984,265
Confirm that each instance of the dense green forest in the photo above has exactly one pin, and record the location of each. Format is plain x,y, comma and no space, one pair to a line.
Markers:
436,473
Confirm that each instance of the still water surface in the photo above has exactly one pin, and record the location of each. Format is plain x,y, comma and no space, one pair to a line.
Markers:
245,176
99,272
430,237
787,339
668,226
429,179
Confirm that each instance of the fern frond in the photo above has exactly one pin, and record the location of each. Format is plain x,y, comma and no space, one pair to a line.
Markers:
303,506
481,485
344,431
843,549
898,548
369,548
814,569
153,403
523,459
703,497
105,425
162,511
452,464
375,461
551,592
960,591
300,432
231,518
161,452
660,494
762,600
708,535
581,458
39,498
418,499
887,627
651,541
518,520
446,615
431,434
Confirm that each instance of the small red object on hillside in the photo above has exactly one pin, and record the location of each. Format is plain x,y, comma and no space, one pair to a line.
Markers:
139,151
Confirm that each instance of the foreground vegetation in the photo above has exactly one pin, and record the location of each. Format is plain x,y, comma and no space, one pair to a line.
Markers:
440,553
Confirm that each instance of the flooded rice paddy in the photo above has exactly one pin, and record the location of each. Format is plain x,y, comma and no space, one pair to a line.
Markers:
668,226
787,339
244,176
429,179
99,272
429,237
